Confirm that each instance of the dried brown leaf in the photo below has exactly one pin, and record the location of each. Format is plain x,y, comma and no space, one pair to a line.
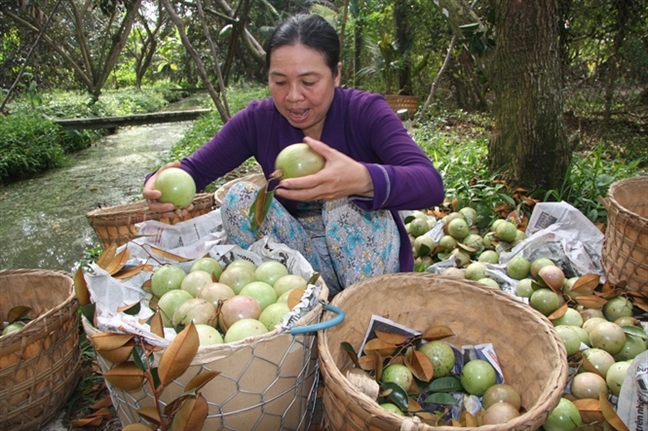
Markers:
81,287
127,273
17,313
420,365
590,301
127,376
102,403
168,255
558,313
110,340
151,414
107,256
437,333
390,338
380,346
586,283
91,420
191,416
468,420
366,363
587,405
378,365
137,426
294,297
118,262
178,355
198,382
119,354
157,326
610,414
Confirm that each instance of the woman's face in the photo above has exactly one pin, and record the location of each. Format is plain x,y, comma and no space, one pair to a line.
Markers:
302,87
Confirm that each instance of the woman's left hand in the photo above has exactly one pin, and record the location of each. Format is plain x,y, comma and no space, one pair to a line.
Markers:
341,176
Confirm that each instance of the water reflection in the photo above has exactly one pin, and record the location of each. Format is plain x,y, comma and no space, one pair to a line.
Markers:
42,220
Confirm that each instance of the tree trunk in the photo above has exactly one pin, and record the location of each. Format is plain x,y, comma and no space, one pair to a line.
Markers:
403,45
529,143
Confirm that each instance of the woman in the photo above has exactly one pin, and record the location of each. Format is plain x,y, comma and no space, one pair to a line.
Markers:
343,219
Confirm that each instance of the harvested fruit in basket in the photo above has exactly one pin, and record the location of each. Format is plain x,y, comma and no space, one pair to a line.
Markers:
177,187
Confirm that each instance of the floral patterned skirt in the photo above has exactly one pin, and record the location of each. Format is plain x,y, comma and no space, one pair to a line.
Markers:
342,242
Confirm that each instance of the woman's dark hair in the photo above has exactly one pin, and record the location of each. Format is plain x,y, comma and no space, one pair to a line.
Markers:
312,31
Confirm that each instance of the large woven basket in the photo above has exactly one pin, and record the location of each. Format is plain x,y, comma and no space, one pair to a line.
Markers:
258,179
532,355
116,224
625,249
266,382
39,364
398,102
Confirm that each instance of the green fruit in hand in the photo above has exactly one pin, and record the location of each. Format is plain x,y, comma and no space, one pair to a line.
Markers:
176,185
298,160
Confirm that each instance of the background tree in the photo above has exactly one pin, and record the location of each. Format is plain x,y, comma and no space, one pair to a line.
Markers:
74,37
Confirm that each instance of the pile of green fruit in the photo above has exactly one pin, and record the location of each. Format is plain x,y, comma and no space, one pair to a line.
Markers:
226,304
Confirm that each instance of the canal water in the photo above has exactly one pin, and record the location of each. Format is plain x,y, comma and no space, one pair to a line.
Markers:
43,220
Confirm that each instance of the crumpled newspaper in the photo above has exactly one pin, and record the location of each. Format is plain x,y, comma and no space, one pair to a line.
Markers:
191,240
633,398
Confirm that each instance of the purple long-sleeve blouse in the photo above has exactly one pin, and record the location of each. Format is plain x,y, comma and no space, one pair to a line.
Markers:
359,124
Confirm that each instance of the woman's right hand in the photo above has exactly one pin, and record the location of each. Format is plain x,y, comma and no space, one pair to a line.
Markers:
152,195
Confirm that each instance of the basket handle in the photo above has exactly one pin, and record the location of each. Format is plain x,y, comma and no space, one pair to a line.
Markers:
321,325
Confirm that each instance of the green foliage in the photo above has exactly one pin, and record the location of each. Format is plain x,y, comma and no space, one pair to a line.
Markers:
28,145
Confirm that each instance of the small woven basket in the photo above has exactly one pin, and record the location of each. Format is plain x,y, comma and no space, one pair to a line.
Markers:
531,354
258,179
39,364
116,224
398,102
625,249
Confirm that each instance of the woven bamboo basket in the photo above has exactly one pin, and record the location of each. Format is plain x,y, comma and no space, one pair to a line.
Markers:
39,364
258,179
625,249
116,224
531,354
398,102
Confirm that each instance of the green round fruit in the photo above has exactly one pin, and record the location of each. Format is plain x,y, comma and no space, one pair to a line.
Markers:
564,417
165,278
208,335
506,231
13,327
298,160
477,376
489,256
270,271
418,227
393,408
524,288
398,374
545,301
538,263
208,264
441,355
176,185
518,267
616,307
570,338
458,228
489,282
244,328
475,271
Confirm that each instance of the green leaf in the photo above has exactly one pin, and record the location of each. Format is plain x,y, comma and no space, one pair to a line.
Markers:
396,394
140,359
445,384
351,351
442,398
260,207
636,331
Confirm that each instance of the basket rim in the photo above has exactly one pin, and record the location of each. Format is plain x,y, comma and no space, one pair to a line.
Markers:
35,322
613,203
558,377
200,201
